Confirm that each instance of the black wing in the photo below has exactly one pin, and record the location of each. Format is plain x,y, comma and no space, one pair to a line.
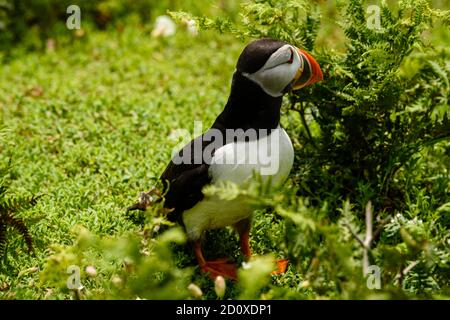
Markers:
183,182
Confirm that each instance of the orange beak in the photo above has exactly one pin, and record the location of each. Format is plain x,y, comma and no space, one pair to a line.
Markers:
316,74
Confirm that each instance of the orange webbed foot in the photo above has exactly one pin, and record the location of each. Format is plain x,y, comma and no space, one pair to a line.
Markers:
220,268
281,266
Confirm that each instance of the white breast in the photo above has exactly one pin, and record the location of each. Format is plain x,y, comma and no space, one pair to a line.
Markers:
271,156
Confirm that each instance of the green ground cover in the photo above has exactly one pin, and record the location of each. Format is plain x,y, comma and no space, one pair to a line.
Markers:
88,124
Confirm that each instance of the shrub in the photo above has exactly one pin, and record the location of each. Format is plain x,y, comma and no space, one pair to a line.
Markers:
365,134
370,186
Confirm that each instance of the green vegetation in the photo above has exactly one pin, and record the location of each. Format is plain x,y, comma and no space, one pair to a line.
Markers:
87,123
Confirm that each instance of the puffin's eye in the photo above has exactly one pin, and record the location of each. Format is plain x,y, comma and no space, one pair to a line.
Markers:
291,58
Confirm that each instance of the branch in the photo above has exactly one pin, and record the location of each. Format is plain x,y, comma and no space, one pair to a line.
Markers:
305,125
381,225
399,277
146,199
361,242
367,242
301,111
368,239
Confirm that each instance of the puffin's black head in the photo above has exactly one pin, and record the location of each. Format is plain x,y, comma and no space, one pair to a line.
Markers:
277,66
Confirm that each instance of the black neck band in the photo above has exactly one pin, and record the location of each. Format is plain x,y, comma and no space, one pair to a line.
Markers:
249,107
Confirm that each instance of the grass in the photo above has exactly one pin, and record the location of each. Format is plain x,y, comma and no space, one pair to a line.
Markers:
89,124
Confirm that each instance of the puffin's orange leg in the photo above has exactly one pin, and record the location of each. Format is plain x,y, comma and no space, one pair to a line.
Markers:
245,244
245,248
243,228
281,266
216,267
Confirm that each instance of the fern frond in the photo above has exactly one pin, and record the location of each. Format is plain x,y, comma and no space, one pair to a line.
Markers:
19,225
3,240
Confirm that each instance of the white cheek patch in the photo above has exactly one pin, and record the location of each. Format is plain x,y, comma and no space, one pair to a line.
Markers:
276,73
278,57
274,80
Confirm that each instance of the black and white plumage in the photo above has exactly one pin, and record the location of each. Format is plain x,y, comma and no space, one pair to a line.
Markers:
266,70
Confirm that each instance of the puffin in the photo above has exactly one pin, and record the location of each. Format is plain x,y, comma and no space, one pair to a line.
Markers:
245,139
